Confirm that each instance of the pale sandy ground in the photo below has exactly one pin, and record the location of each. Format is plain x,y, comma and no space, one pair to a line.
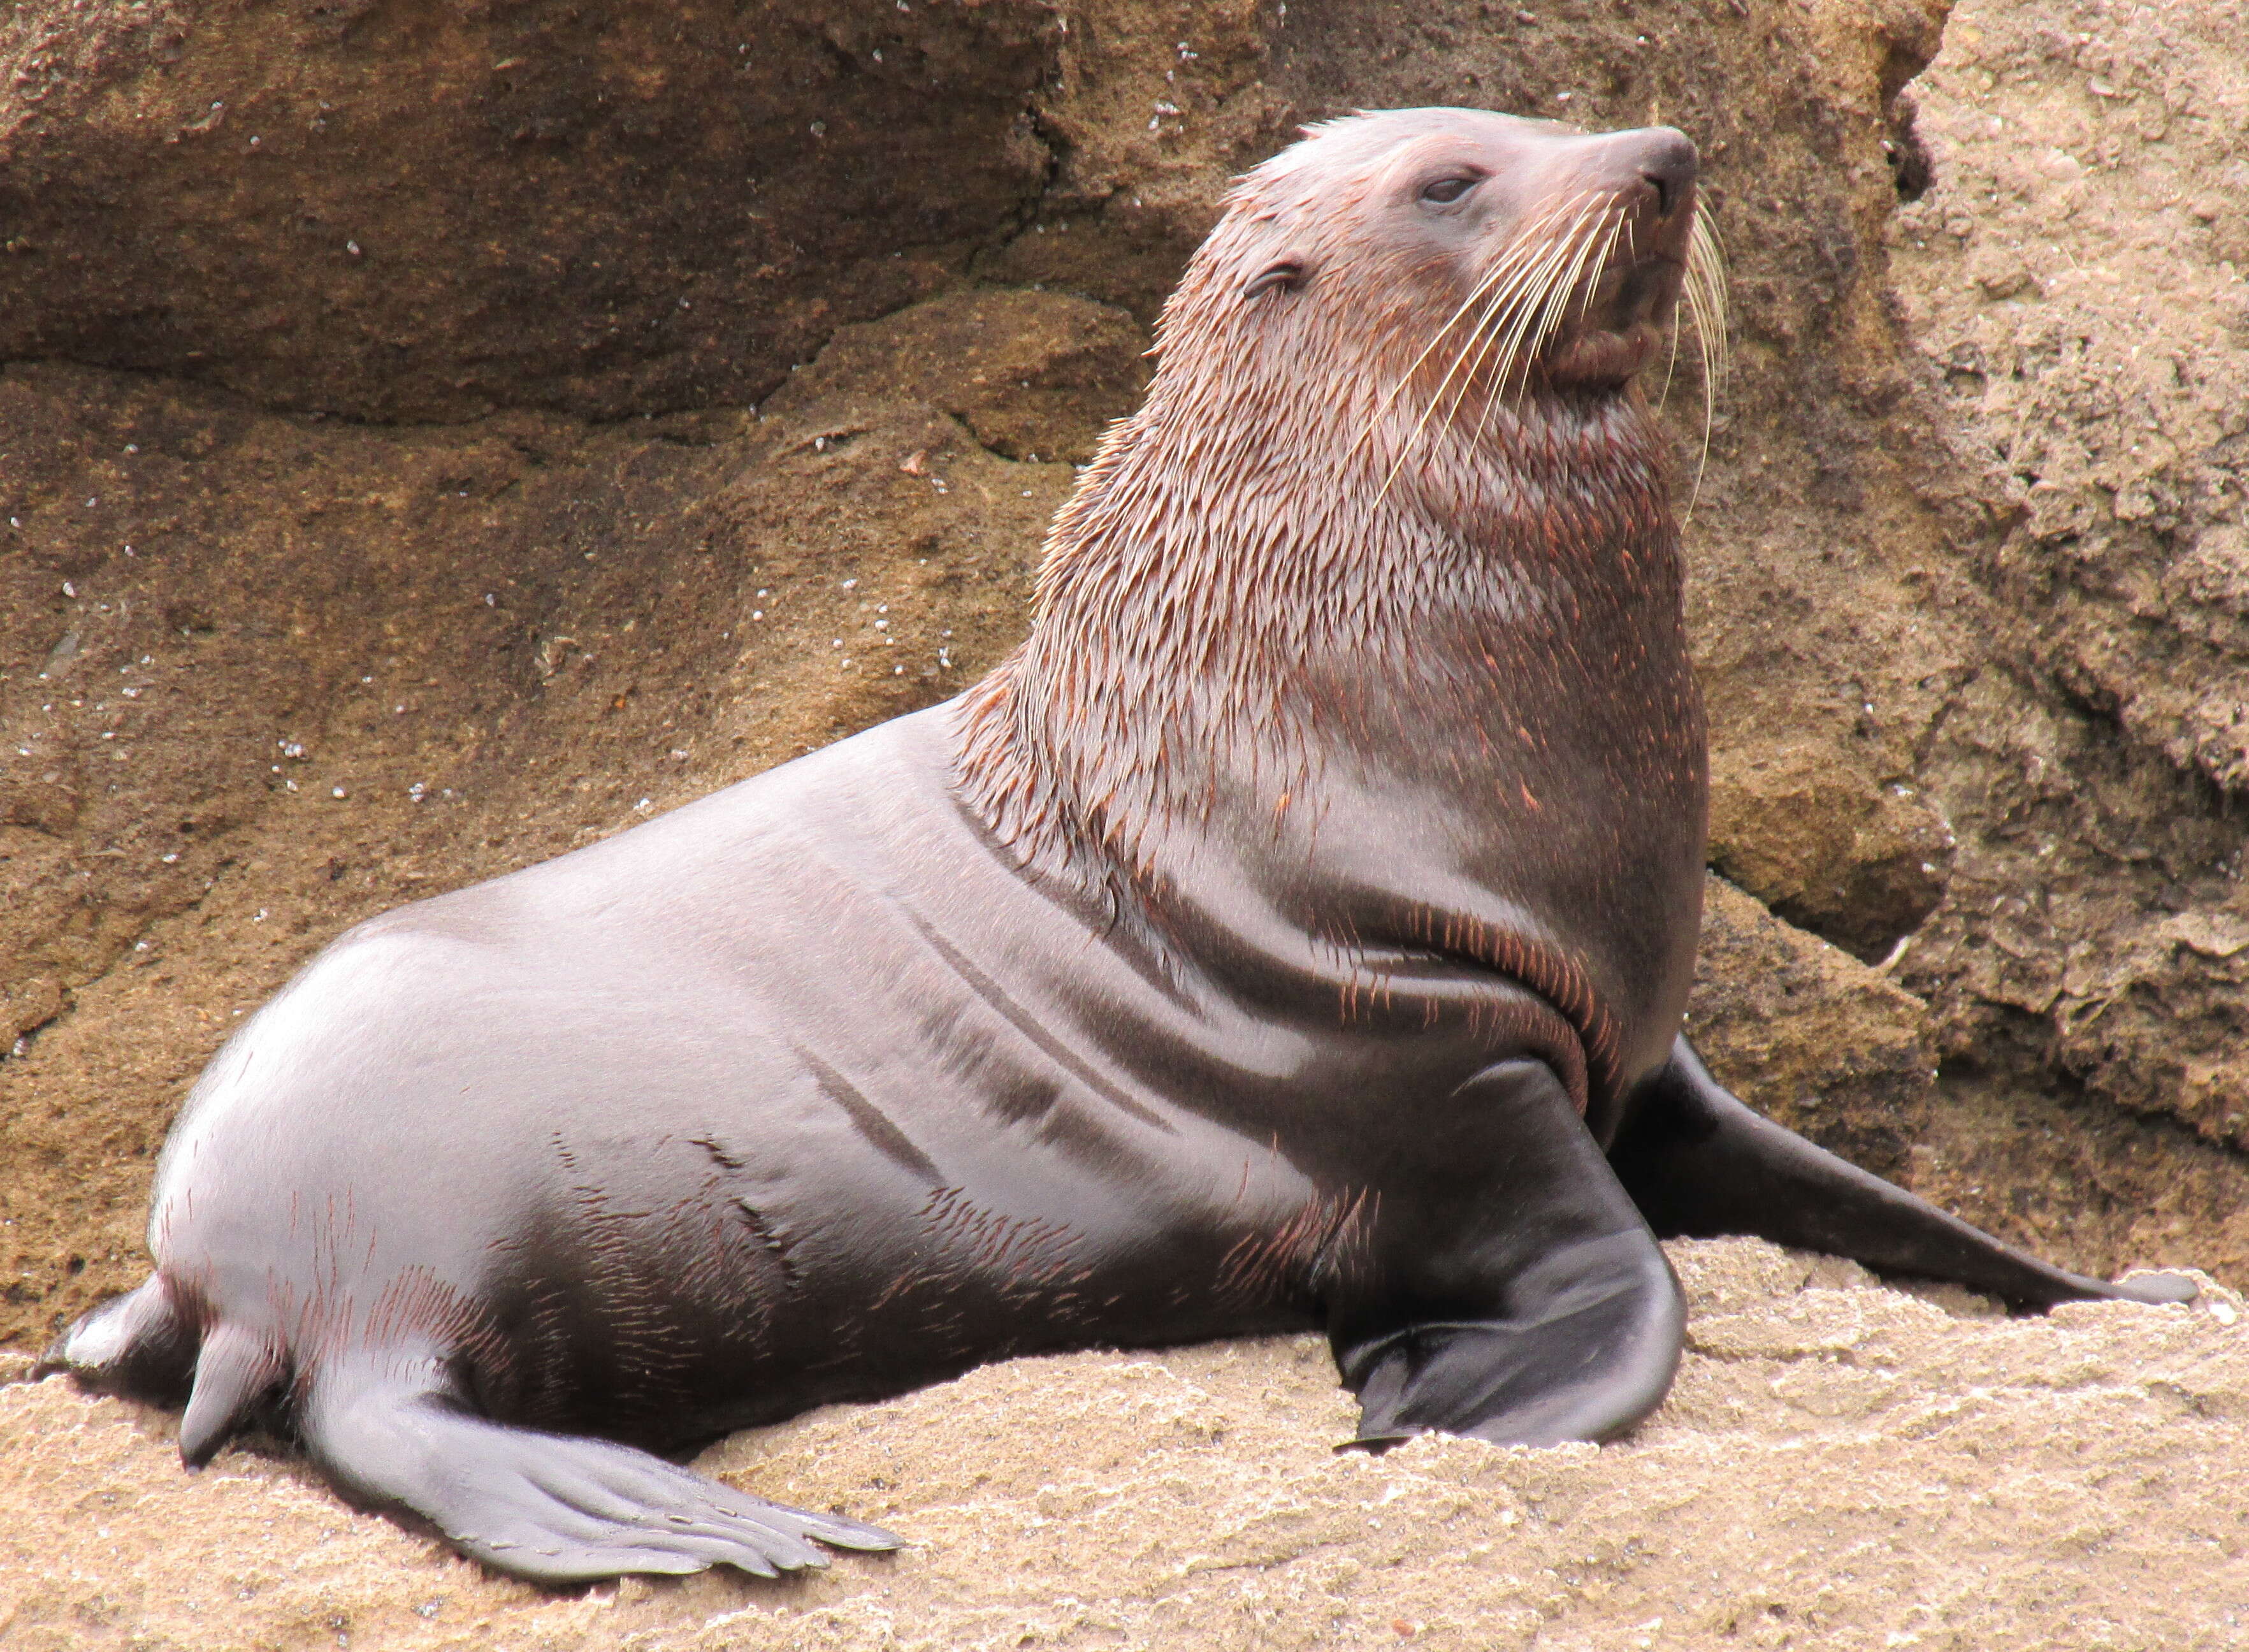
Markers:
1841,1465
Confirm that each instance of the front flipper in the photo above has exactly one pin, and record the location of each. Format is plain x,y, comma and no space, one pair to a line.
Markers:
1518,1296
1700,1164
556,1509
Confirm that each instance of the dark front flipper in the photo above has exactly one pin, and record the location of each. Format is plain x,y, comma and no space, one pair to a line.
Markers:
1700,1164
1519,1297
555,1509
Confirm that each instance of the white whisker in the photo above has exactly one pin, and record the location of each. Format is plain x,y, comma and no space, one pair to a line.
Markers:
1518,275
1569,281
1704,291
1450,321
1520,348
1550,315
1528,284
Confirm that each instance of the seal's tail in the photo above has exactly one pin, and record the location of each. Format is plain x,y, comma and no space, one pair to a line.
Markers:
552,1508
147,1344
140,1345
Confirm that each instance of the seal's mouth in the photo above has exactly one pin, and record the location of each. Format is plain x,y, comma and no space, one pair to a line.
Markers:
1618,326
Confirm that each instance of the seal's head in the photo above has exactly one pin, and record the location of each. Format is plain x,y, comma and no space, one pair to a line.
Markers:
1562,251
1428,267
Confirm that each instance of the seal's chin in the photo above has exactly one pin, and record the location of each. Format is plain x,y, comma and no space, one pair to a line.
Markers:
1599,359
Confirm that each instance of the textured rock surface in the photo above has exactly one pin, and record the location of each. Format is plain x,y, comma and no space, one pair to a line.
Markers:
1023,371
424,210
1840,1466
2076,278
2081,307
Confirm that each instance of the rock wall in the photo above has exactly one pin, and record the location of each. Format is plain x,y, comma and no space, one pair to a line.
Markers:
417,211
2075,291
436,435
439,435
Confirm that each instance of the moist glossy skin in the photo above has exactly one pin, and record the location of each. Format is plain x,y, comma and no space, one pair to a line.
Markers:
1283,937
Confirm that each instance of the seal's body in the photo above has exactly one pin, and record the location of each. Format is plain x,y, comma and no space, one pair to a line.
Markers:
1294,933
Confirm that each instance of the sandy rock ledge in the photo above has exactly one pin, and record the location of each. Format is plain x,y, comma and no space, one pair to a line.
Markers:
1841,1465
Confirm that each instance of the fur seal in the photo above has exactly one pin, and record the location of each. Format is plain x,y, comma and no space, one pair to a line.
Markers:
1295,932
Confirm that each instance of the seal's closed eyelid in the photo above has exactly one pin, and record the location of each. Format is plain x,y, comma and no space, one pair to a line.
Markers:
1445,190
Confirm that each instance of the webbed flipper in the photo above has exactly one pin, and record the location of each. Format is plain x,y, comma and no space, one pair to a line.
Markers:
1700,1164
556,1509
1527,1303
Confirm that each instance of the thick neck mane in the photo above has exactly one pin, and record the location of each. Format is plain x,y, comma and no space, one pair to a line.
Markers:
1240,547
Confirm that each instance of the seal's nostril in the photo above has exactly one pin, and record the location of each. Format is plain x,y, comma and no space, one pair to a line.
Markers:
1667,162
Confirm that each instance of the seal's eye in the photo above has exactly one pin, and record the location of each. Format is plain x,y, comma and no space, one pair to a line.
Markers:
1445,191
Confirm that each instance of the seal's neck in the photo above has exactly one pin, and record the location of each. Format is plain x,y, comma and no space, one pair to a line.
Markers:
1240,556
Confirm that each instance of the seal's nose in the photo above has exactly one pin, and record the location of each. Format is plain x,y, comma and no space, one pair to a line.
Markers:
1667,162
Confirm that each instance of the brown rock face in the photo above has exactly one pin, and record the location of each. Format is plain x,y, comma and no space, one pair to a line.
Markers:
1026,372
1826,846
2075,287
426,210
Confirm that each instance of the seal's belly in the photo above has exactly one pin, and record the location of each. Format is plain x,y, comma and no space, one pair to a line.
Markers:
800,1094
910,1134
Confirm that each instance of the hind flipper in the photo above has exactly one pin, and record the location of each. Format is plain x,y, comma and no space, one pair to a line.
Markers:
1700,1164
555,1509
1524,1300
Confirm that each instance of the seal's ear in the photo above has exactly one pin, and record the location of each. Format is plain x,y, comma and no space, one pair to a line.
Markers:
1285,275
